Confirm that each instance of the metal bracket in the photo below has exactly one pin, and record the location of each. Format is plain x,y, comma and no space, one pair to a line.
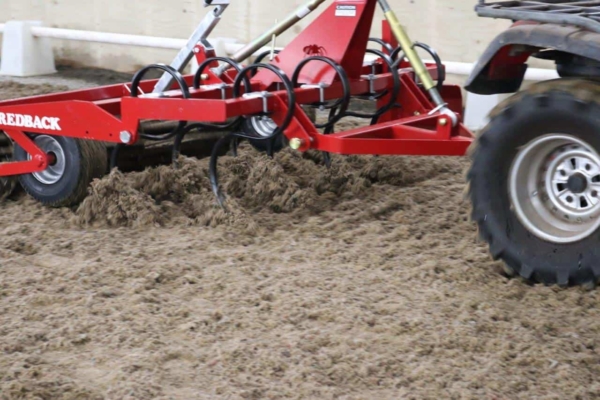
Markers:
256,95
221,86
371,79
443,109
321,86
200,35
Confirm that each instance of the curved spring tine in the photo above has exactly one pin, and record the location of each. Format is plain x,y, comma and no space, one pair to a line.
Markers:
235,144
329,130
176,152
177,149
270,147
114,154
327,160
212,170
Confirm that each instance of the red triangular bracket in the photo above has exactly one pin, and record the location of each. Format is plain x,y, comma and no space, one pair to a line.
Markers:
341,33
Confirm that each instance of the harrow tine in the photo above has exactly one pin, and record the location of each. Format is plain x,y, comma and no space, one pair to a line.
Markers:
8,184
114,156
212,170
235,144
329,130
270,147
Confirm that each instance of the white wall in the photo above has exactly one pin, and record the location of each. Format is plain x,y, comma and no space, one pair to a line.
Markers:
451,26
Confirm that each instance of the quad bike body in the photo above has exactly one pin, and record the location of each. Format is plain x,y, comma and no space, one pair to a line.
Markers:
534,182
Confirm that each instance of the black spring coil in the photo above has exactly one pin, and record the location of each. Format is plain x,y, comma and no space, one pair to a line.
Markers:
260,58
342,103
383,44
393,95
431,51
204,125
135,84
291,104
182,85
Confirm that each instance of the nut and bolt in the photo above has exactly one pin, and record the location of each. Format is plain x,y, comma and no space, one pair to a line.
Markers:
125,137
296,143
443,122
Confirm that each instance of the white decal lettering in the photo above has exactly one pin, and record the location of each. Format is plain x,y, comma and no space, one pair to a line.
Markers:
54,124
37,124
30,121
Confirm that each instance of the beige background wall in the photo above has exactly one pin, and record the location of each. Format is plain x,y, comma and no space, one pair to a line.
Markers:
451,26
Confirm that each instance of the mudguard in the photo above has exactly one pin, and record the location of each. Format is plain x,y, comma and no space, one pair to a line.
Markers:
502,66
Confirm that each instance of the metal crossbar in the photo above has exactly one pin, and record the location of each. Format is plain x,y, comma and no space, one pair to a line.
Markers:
584,14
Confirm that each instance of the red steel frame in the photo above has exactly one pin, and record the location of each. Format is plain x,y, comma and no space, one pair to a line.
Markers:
103,113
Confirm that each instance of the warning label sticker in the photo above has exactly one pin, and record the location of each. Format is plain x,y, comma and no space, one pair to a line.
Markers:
345,11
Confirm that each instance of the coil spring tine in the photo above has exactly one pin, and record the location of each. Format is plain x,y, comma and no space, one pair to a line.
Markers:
176,149
343,102
394,92
176,152
270,146
235,143
212,169
114,154
183,86
329,130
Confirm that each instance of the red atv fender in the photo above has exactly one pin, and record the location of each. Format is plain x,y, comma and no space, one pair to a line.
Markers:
502,66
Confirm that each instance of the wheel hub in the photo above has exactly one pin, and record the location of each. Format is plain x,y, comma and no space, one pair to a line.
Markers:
577,183
263,125
57,160
554,188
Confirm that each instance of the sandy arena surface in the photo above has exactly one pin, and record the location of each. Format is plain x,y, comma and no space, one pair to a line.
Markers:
363,282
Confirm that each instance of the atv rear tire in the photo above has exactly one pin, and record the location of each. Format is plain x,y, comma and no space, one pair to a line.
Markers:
533,183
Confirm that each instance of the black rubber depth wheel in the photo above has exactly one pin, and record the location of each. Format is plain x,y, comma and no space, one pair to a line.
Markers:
264,126
534,183
8,184
65,182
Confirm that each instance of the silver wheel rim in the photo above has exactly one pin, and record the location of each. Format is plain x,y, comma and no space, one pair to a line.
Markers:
54,172
554,186
264,126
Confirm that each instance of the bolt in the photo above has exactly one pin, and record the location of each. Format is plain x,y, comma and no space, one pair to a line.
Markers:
40,160
296,143
417,113
125,137
534,193
196,50
204,77
443,122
